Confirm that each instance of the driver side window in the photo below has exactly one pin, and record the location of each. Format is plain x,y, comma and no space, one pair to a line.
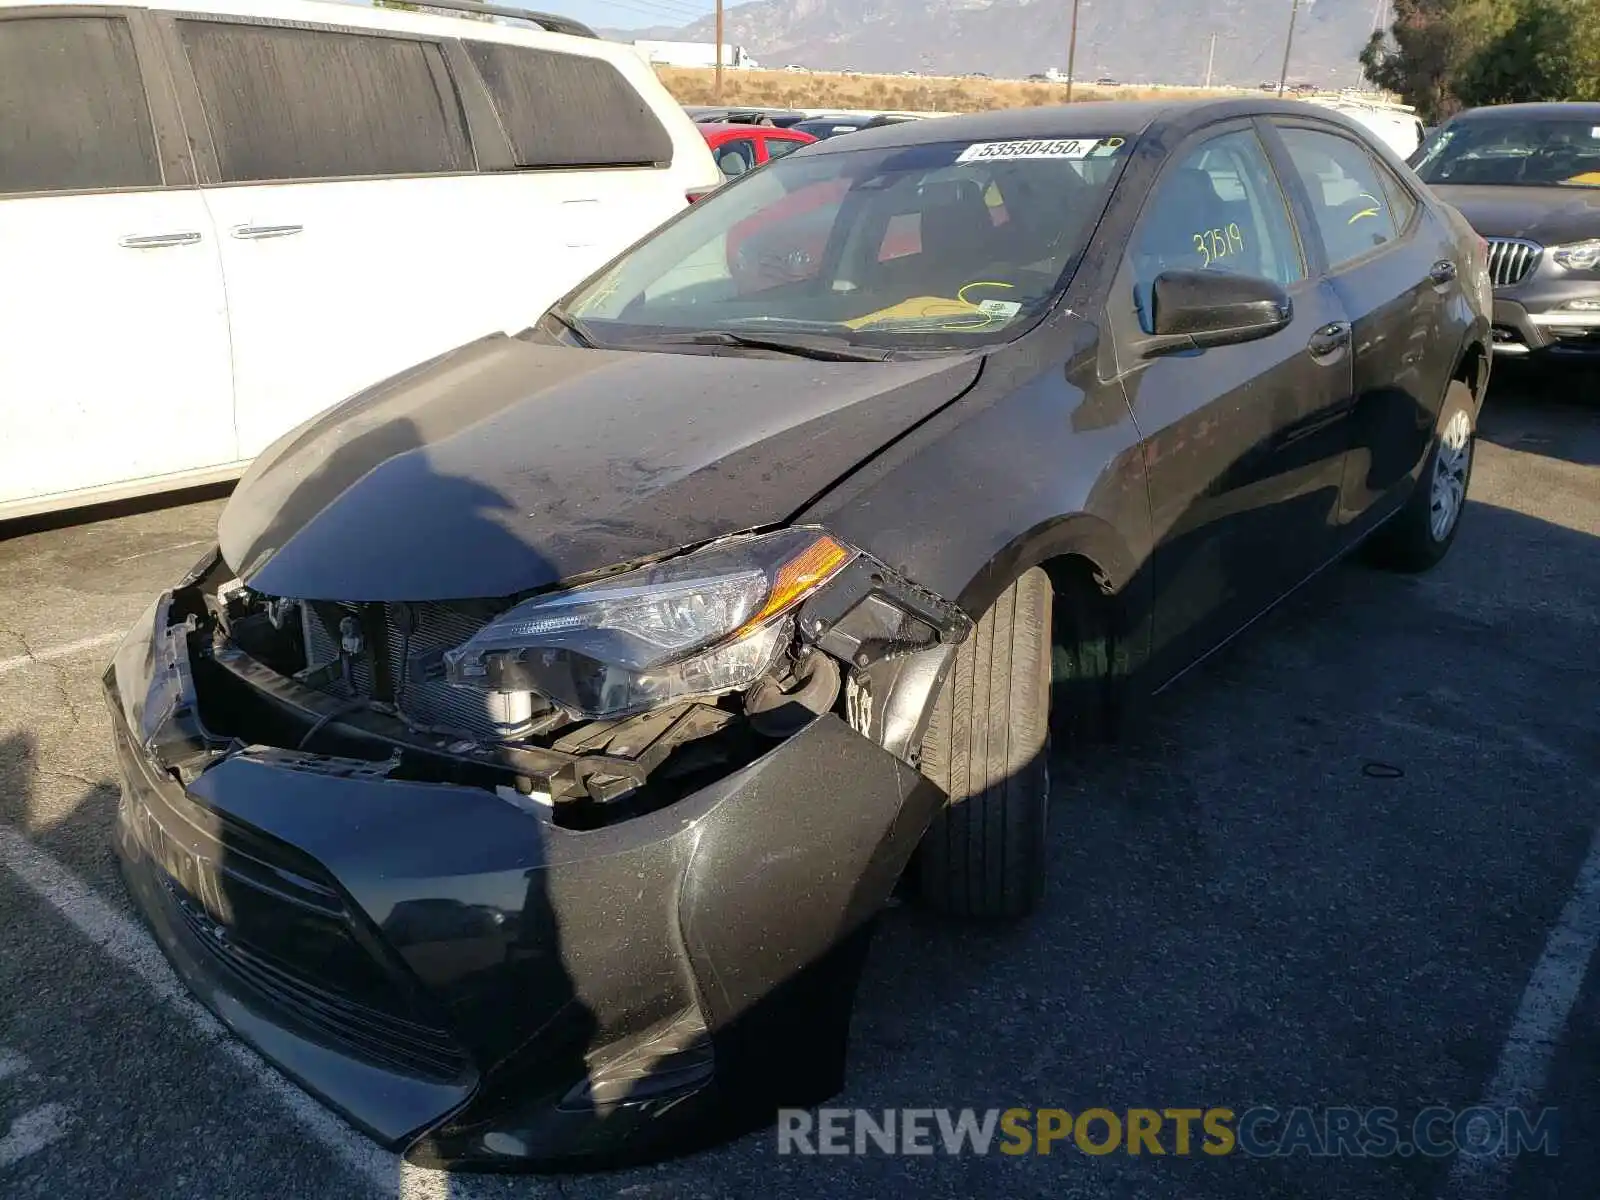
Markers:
736,157
1220,208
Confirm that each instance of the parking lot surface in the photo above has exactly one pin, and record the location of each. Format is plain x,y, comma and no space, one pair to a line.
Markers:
1350,861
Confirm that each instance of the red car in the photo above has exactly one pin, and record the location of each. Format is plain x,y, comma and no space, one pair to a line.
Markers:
739,148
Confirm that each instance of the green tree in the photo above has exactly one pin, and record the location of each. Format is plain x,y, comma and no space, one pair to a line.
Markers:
1443,55
1419,56
1535,50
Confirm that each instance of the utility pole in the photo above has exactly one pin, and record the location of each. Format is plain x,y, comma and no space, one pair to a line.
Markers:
1211,60
719,50
1072,50
1288,48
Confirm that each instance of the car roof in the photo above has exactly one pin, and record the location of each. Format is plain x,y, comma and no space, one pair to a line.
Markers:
1582,110
1123,118
561,33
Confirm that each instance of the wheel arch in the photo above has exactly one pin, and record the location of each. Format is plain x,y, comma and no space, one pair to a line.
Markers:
1088,563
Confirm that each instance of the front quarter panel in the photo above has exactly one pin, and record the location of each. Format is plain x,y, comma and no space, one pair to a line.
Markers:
1040,459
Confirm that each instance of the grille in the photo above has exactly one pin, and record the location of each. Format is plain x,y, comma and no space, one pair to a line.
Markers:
368,1033
280,929
1511,260
426,701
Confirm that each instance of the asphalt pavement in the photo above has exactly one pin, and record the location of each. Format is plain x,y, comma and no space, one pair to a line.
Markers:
1351,862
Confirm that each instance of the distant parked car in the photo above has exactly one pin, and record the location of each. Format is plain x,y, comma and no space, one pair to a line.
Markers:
827,127
740,148
1106,82
1527,177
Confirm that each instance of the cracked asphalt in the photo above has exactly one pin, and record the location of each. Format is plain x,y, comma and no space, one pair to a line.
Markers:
1321,872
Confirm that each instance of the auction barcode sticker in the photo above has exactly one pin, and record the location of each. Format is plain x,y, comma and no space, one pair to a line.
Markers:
1047,148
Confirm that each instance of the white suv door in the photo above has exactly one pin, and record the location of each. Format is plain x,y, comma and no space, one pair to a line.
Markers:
115,370
344,168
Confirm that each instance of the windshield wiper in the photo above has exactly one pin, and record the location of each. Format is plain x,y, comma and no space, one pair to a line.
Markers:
822,349
572,325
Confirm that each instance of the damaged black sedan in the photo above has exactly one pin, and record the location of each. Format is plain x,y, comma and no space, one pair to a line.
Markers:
524,769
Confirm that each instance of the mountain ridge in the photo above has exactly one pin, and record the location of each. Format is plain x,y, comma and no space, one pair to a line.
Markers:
1134,41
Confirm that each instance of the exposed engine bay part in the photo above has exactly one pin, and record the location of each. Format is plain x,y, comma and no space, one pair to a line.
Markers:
375,680
782,707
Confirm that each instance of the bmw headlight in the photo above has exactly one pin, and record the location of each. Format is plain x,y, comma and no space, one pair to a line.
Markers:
705,623
1577,256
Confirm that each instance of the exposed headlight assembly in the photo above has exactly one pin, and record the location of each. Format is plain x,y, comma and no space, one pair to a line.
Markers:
705,623
1577,256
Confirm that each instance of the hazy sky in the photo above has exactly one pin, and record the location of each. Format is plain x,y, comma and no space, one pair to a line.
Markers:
630,14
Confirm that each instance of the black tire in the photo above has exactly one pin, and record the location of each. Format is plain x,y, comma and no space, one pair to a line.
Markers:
1411,540
988,746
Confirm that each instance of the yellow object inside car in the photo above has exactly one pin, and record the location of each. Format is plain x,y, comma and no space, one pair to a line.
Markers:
934,311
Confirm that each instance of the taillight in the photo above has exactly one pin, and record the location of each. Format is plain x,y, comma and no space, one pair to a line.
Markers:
699,194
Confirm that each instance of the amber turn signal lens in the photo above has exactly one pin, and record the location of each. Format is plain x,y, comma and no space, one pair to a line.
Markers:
800,576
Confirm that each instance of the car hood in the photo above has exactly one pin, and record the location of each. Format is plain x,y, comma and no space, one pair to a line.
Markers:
1548,215
509,465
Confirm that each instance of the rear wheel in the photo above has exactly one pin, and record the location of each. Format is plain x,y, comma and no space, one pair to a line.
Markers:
1421,533
988,746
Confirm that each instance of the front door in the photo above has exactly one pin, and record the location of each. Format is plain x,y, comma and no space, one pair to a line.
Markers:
116,361
1244,473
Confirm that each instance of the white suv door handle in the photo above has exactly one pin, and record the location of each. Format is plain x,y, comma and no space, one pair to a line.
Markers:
258,233
155,241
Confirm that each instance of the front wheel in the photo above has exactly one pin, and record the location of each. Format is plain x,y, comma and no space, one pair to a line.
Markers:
988,747
1421,533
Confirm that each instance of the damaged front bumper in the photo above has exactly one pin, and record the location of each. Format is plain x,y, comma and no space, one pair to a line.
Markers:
465,978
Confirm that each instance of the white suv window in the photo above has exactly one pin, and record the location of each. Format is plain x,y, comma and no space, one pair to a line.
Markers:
76,117
288,103
569,110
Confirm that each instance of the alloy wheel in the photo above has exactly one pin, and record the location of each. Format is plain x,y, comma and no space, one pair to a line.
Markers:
1450,467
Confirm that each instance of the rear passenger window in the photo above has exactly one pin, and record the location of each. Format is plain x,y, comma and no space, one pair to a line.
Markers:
568,110
74,111
778,147
1402,204
1348,198
1220,209
316,104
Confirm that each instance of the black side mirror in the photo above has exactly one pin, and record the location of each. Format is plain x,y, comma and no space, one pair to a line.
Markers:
1192,310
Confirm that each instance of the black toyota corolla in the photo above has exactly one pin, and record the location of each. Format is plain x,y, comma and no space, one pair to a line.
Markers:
525,768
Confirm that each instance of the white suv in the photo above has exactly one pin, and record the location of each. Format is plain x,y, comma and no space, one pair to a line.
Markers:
216,222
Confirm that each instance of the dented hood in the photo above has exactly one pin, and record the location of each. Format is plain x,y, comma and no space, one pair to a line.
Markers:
509,465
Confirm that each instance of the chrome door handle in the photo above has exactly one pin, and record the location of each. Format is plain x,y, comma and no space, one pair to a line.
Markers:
1329,340
256,233
155,241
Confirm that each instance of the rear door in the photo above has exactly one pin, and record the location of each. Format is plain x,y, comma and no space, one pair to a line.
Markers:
1392,268
1244,478
335,162
116,364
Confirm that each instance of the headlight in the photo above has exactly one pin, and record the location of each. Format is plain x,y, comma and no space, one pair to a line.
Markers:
1577,256
708,622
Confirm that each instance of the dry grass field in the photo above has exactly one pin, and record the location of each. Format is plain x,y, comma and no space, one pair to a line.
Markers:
691,85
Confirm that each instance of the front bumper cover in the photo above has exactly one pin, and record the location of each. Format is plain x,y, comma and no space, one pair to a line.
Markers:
461,977
1531,318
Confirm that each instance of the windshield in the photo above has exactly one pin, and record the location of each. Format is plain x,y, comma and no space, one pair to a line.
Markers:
931,246
1530,152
